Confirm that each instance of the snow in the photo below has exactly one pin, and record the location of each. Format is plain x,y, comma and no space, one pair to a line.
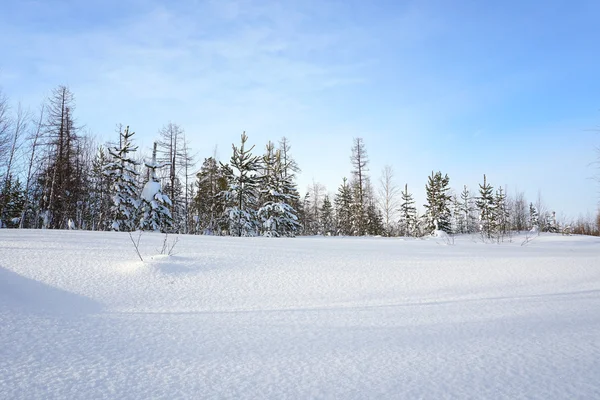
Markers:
82,317
151,188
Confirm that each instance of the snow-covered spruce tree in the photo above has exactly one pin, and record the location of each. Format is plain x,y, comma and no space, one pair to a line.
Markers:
277,217
408,214
533,217
437,209
124,192
343,211
487,209
242,191
327,217
154,204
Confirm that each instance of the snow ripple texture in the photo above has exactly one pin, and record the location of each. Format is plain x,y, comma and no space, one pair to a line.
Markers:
81,317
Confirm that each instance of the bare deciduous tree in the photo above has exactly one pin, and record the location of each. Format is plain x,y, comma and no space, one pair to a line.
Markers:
388,197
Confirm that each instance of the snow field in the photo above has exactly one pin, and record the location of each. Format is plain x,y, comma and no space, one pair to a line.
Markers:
82,317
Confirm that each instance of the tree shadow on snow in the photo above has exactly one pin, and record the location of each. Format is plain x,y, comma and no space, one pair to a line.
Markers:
26,295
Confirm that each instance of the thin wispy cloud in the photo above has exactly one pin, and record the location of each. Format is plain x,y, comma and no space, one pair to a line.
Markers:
415,79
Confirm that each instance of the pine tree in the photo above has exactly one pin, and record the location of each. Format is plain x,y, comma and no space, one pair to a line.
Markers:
154,204
437,214
242,192
343,209
327,217
121,172
486,206
408,214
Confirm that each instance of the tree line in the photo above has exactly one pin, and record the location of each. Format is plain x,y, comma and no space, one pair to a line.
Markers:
53,175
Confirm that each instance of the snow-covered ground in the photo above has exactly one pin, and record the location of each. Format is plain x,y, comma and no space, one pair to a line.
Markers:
81,317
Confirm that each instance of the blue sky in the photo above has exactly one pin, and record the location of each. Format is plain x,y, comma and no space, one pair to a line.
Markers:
510,89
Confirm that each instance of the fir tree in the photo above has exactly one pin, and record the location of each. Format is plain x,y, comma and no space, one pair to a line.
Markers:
154,204
408,214
121,172
437,214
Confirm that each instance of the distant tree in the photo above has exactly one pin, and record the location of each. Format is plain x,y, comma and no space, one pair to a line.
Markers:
519,212
172,153
533,217
316,194
502,214
290,166
100,200
487,209
33,140
290,169
12,199
437,214
374,220
343,209
208,205
327,217
305,214
120,171
62,189
388,198
408,214
276,215
5,128
242,191
154,204
359,161
188,162
14,130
